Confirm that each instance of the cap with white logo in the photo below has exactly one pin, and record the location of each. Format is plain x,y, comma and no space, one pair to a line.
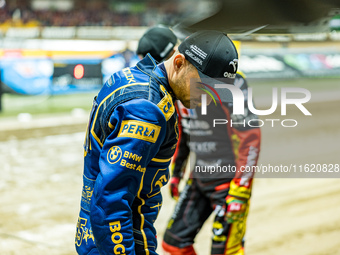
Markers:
213,54
159,41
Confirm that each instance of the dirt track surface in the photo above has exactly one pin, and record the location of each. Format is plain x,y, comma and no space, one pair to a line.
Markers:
41,185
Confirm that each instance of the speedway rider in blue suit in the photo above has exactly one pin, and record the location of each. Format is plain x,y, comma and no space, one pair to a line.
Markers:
131,137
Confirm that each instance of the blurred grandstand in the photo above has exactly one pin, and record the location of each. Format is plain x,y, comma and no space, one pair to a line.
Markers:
32,13
67,46
99,19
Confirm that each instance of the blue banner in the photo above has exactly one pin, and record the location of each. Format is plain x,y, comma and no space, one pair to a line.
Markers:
42,75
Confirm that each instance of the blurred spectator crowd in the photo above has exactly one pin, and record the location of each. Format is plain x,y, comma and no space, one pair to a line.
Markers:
26,17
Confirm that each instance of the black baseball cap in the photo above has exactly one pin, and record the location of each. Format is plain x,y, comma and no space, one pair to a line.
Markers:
213,54
159,41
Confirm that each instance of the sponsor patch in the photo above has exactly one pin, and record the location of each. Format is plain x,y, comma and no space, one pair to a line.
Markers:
139,130
117,237
129,76
87,193
166,105
229,75
130,155
234,63
194,57
83,232
114,154
160,179
198,51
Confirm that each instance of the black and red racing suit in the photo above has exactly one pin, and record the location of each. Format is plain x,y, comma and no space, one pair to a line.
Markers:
224,147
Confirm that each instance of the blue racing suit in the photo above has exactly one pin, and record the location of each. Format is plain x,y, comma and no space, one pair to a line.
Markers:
131,137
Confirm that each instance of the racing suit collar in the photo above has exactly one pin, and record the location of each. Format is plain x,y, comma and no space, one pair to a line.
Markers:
149,65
